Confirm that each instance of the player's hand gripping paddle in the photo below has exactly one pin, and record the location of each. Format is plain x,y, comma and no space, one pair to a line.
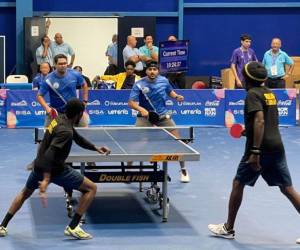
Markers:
237,130
53,113
153,117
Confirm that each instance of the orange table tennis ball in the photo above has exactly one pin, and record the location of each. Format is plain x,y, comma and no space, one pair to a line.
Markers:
229,119
199,85
11,119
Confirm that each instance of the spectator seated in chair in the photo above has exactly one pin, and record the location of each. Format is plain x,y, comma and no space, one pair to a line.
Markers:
124,80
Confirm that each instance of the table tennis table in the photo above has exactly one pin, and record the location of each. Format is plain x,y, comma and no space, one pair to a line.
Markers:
130,144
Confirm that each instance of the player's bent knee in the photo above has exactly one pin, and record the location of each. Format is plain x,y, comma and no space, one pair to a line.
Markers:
88,186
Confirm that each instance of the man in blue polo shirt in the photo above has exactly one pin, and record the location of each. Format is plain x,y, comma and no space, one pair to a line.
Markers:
58,46
275,60
61,85
150,94
130,52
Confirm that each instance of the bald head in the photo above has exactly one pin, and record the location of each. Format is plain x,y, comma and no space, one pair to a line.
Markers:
58,38
131,41
172,38
275,44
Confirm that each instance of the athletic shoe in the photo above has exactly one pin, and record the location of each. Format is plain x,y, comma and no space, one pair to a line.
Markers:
298,241
184,176
3,231
220,230
77,233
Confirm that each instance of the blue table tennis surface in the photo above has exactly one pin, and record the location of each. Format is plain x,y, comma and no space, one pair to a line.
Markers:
128,143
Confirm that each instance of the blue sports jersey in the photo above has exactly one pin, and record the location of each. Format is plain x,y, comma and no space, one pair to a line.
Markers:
65,86
156,92
37,80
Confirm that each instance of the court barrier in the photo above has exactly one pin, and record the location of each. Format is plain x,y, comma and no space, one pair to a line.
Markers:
210,107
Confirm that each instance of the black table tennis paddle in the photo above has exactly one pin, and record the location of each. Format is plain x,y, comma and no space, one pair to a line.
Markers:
153,117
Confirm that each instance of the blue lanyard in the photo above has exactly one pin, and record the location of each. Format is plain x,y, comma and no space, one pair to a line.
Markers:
274,57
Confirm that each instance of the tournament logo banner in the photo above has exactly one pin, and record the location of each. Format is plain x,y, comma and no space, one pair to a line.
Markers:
23,110
173,56
234,106
3,107
199,108
286,102
109,107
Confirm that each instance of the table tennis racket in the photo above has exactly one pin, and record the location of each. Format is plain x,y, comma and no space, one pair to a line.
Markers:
153,117
236,131
53,113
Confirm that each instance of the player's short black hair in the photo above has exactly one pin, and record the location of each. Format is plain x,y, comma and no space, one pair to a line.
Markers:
245,37
59,56
74,107
129,62
152,64
145,36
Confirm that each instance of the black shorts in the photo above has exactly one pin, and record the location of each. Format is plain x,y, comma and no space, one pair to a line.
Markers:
274,170
69,179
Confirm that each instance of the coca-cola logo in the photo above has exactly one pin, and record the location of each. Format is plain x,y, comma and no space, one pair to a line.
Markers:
284,103
212,103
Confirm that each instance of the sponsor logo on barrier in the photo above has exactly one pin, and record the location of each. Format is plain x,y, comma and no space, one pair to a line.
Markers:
22,103
169,103
237,103
189,103
118,112
210,112
112,103
96,112
40,112
214,103
284,103
238,112
23,112
283,111
134,112
94,103
35,104
191,112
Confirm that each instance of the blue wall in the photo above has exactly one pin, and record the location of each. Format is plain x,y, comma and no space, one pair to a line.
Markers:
213,33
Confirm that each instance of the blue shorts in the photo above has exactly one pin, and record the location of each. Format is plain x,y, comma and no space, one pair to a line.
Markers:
274,170
69,179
